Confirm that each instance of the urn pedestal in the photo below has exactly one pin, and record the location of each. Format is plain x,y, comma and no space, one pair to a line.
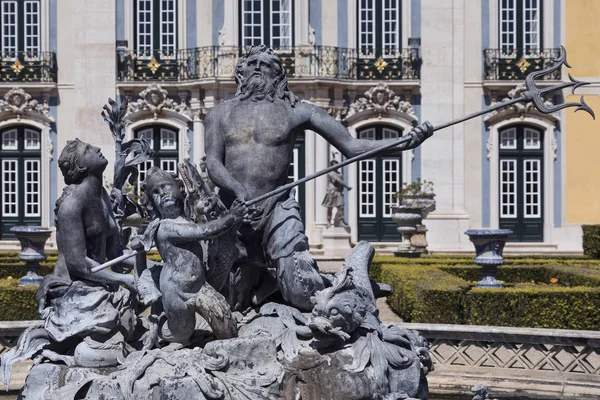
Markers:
409,223
32,240
489,244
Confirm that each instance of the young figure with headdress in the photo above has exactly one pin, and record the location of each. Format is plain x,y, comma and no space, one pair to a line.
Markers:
183,280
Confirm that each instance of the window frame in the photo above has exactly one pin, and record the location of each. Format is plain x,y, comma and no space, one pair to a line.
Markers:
519,33
266,25
378,34
156,34
21,25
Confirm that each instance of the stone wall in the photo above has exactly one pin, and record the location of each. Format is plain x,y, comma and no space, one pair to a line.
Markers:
513,362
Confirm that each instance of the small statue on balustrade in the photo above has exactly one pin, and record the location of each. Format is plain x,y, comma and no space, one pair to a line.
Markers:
334,197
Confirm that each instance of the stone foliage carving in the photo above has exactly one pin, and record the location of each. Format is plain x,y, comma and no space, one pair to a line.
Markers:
155,99
380,99
518,109
19,102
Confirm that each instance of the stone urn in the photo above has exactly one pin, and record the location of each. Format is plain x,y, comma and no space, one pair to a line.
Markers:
408,215
32,240
489,244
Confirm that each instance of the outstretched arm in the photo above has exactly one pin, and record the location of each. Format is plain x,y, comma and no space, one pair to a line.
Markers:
215,159
336,134
178,231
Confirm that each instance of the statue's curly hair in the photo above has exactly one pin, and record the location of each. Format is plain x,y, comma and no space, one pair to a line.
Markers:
279,87
71,164
153,177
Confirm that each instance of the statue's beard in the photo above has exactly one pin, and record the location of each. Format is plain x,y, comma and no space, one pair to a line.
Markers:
256,88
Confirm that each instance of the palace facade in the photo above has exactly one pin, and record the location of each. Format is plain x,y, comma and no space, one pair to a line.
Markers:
378,66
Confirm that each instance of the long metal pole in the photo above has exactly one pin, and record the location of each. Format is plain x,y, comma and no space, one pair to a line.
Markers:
378,150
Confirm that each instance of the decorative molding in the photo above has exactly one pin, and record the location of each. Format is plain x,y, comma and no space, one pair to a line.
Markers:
519,110
339,113
222,37
554,146
18,102
155,99
312,35
380,100
49,147
489,146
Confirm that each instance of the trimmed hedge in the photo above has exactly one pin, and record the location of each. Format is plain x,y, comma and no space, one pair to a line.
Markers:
591,240
17,303
534,307
418,299
439,293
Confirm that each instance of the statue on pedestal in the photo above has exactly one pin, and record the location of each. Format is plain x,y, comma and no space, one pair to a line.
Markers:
334,197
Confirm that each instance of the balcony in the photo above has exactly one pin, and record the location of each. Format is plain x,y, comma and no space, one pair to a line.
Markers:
26,66
316,62
517,64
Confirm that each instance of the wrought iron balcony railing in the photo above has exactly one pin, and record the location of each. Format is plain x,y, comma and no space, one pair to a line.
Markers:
404,65
299,62
516,64
27,66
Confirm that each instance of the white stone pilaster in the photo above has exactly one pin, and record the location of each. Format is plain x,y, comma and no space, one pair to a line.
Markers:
442,84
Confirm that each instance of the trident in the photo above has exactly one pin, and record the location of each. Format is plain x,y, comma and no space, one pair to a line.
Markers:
531,94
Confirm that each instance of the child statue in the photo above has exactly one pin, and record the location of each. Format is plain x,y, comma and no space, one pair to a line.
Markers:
183,278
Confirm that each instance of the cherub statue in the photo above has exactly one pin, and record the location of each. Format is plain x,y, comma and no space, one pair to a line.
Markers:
183,277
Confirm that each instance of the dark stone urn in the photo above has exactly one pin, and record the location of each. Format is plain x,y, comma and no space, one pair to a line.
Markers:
32,239
489,244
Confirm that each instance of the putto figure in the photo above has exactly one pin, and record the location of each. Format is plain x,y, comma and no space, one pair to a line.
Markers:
183,281
334,197
249,146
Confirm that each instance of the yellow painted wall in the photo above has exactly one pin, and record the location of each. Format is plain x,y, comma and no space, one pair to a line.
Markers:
583,163
582,25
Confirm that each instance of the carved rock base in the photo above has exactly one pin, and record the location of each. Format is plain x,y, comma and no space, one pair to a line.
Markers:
249,367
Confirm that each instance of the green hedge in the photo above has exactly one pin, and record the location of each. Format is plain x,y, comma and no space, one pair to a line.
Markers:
17,303
437,299
536,307
591,240
438,293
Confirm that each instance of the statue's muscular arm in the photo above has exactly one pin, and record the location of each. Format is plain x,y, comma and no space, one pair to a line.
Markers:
336,134
178,232
215,155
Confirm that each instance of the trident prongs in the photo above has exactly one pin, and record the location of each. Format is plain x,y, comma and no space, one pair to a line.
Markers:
536,95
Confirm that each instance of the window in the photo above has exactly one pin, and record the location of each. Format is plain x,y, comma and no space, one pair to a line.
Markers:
378,179
163,141
379,28
521,175
379,41
20,179
20,29
520,27
267,22
156,28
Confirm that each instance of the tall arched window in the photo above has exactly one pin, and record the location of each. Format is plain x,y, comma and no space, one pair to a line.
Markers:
521,169
164,143
378,179
20,178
